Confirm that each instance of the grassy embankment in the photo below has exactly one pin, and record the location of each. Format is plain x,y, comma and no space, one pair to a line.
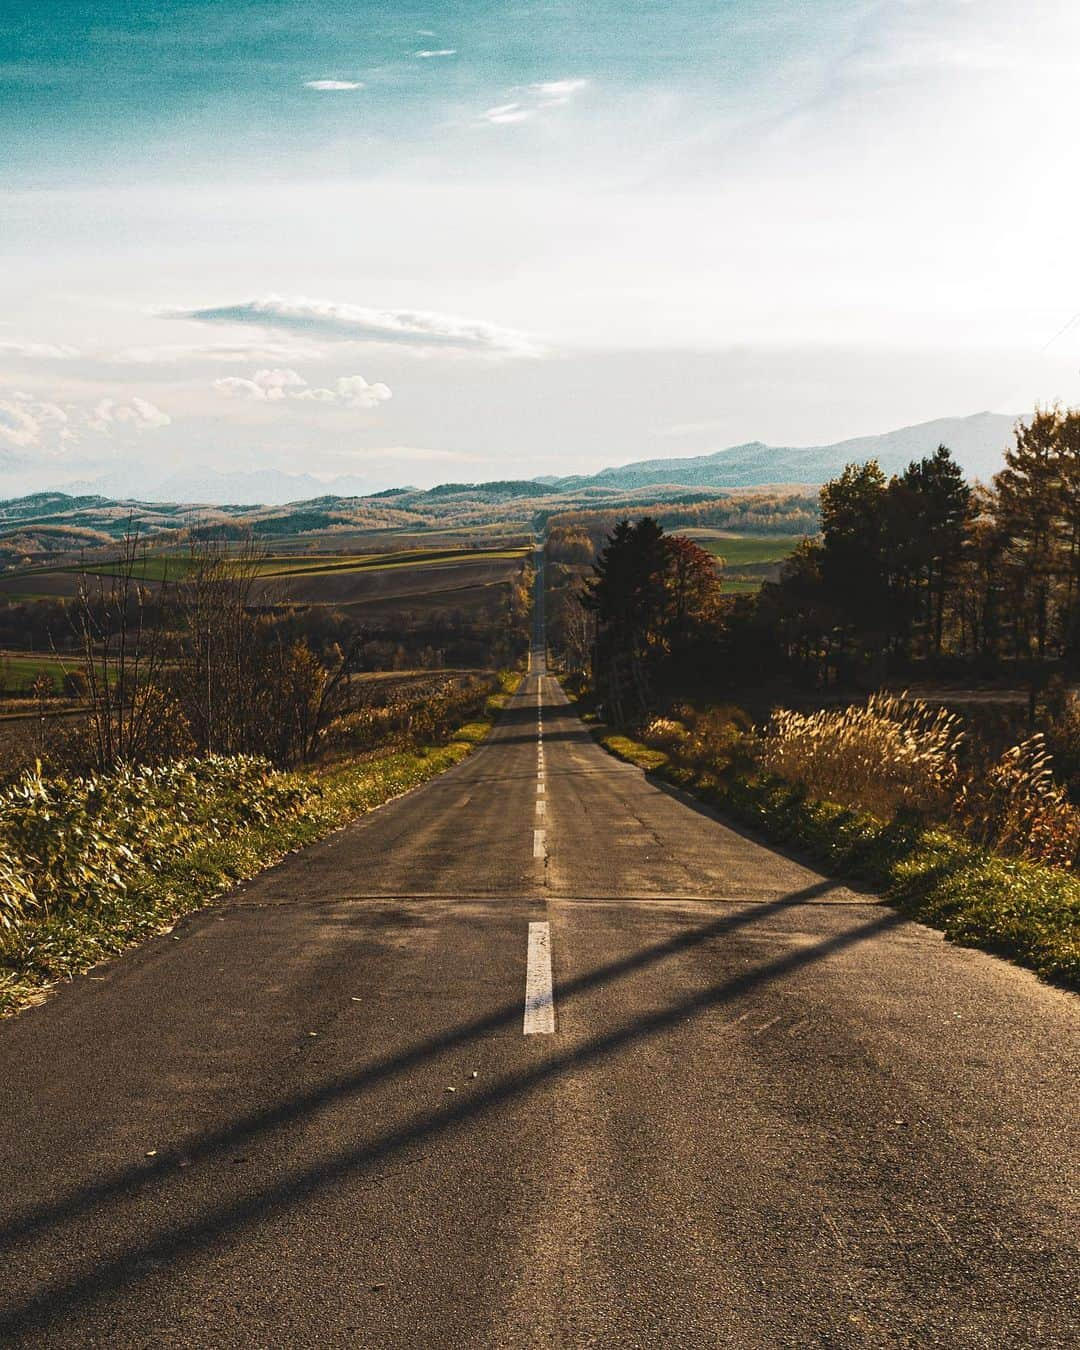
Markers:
89,867
978,898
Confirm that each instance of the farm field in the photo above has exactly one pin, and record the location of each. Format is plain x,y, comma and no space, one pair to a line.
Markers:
742,585
745,549
418,581
749,559
323,573
19,669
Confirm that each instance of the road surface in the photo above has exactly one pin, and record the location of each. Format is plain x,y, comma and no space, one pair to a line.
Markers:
542,1055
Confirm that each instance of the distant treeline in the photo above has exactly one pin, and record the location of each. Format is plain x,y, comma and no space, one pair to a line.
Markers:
791,513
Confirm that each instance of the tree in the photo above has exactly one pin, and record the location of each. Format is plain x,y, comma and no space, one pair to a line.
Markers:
938,510
626,593
854,568
1026,509
693,585
649,593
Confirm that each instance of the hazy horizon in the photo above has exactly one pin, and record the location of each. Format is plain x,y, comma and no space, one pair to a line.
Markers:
413,244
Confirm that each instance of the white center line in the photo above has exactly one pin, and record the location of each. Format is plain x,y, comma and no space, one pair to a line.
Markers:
540,787
539,989
540,805
538,843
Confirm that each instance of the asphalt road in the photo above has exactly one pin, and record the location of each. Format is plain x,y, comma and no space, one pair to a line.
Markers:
344,1107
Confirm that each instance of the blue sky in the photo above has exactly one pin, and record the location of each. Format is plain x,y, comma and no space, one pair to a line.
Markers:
416,242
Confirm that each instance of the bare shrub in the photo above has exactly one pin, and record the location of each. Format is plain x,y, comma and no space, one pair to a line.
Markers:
123,645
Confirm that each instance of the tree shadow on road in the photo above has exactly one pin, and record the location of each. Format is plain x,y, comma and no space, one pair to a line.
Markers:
121,1268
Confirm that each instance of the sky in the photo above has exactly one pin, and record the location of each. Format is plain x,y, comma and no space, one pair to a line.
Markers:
412,243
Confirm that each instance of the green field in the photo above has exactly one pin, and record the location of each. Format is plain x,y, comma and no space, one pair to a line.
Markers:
327,563
740,550
20,669
741,585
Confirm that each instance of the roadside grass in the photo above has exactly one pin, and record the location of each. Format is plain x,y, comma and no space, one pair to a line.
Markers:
135,853
1020,910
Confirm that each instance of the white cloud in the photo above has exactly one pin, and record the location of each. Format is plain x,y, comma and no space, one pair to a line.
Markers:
274,386
30,424
333,86
558,91
533,99
265,386
24,422
355,391
139,414
505,113
428,53
417,329
39,351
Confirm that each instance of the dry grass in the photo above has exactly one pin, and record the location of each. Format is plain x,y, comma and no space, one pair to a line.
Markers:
892,753
1018,808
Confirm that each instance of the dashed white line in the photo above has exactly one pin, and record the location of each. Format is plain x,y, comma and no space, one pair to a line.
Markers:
541,806
539,988
538,843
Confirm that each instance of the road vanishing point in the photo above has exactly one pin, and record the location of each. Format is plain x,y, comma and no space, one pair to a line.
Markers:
542,1054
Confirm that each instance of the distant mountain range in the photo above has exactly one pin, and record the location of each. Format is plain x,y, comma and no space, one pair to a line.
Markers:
977,443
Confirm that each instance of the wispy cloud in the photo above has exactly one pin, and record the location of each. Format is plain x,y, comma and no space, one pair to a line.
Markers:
416,329
275,386
232,353
333,86
553,92
506,113
427,53
532,99
39,351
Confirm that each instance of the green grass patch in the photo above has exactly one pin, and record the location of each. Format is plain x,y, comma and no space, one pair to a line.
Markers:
747,548
632,751
509,683
1012,908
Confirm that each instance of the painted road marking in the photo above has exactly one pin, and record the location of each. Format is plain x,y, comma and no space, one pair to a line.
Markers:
538,843
540,787
540,807
539,989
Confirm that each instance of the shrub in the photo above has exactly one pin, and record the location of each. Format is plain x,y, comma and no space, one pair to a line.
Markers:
713,739
74,843
889,754
663,733
1017,808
